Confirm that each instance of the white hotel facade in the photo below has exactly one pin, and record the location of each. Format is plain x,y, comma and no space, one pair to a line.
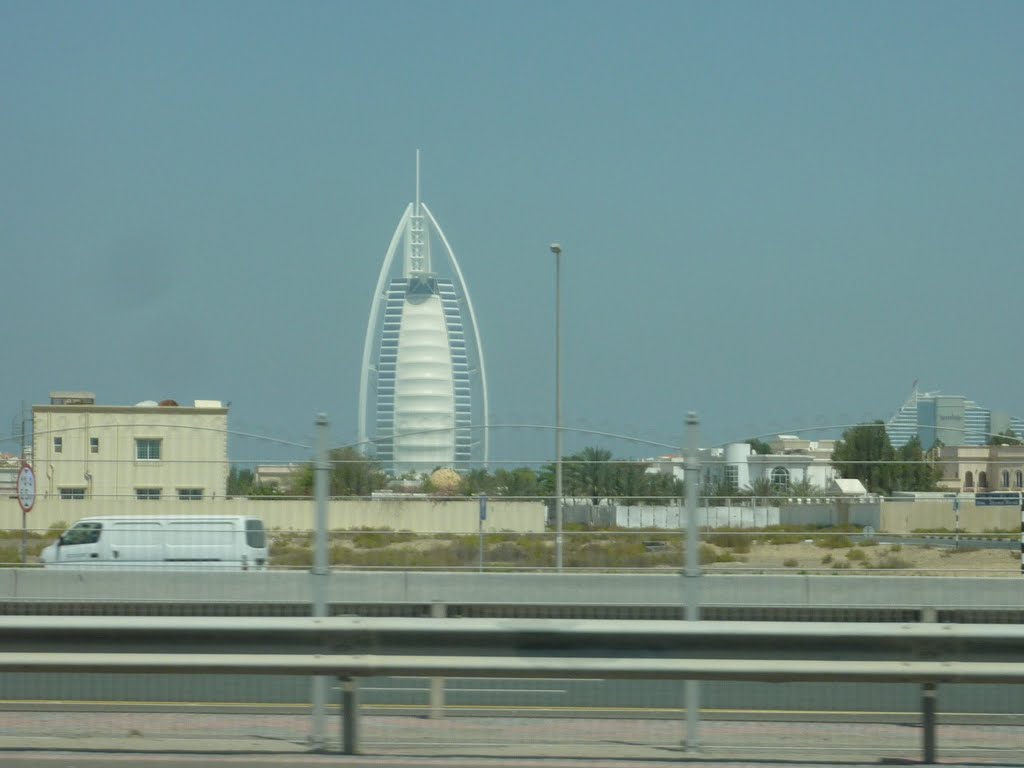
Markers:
423,383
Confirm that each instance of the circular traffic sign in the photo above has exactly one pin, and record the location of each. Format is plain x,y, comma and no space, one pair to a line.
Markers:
26,487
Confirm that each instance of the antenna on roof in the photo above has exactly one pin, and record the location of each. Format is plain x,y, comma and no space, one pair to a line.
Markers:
417,182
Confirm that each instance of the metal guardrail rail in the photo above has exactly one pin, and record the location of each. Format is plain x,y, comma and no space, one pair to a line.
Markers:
352,648
499,610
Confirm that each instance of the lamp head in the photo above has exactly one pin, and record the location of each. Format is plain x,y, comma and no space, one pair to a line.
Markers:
555,248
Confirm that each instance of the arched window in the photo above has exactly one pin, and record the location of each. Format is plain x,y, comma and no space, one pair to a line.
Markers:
1019,480
969,480
780,479
1005,476
982,480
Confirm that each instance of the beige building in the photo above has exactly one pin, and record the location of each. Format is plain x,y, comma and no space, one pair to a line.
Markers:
149,451
9,467
982,468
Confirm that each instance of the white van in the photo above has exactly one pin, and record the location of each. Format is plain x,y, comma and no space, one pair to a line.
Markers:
162,541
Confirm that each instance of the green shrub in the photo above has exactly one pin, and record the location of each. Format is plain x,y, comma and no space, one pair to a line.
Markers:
285,539
291,557
782,534
790,562
834,541
736,541
841,565
963,550
371,540
500,538
621,554
511,553
857,554
826,559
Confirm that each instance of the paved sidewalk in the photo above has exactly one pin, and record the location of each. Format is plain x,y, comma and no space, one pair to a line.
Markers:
556,741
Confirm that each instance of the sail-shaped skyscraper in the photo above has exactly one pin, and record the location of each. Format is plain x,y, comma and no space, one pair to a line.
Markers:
423,384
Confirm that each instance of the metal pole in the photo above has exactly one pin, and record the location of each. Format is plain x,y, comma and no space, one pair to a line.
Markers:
482,516
956,522
438,610
928,702
692,572
557,250
319,574
350,715
929,697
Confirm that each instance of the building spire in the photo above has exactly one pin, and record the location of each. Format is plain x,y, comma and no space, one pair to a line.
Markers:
417,240
416,211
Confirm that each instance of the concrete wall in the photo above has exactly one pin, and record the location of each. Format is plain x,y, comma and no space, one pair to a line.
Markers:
711,517
430,516
832,513
420,515
602,589
884,516
905,517
838,512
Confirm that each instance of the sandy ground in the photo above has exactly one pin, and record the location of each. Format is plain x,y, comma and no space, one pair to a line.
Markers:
881,559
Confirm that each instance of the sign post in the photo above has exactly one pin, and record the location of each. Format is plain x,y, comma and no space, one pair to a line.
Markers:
26,500
956,522
483,516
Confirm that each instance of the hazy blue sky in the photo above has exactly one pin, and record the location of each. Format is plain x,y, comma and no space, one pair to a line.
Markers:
776,214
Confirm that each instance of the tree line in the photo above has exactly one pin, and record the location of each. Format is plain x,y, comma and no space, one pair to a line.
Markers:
864,452
592,474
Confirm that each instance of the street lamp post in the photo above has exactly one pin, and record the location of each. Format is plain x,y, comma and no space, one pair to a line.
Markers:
557,250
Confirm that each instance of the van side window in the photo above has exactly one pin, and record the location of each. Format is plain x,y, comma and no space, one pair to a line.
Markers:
83,533
255,535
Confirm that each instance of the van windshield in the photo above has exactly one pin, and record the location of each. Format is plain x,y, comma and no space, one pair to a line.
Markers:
255,536
82,533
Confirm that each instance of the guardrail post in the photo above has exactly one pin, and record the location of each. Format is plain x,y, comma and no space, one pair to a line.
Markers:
929,696
349,715
929,700
438,610
319,573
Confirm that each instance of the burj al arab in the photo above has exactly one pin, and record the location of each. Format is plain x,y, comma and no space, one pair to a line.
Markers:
423,384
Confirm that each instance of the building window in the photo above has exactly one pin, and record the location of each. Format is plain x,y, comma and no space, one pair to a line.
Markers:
780,479
1019,479
147,449
968,479
1005,476
72,493
147,494
190,494
982,480
732,477
58,445
94,445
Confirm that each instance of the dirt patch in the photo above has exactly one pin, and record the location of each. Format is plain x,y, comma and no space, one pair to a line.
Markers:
881,559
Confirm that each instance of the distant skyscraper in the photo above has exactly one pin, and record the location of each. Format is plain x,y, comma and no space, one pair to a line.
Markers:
950,419
423,382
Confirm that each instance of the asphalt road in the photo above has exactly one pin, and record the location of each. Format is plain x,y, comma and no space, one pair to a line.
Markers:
214,761
86,739
879,701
